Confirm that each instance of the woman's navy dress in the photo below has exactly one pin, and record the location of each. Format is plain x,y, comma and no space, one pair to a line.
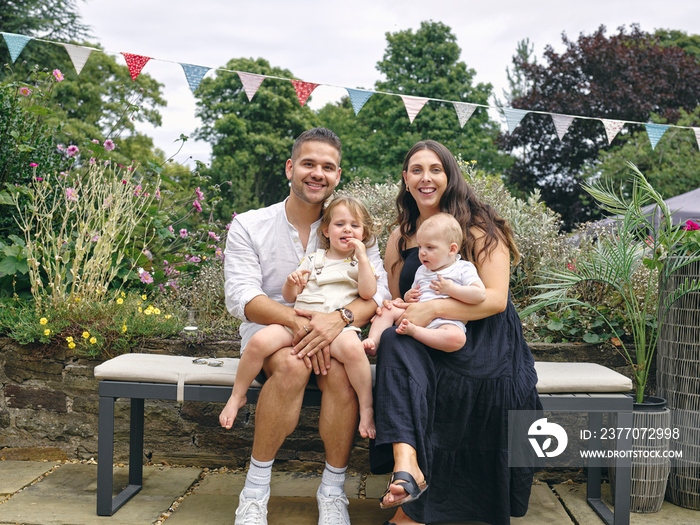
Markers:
453,409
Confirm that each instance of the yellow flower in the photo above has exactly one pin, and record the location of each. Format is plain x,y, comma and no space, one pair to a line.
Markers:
77,299
93,340
123,328
140,309
144,297
47,332
69,339
138,303
43,320
156,311
86,335
168,316
120,300
71,345
123,294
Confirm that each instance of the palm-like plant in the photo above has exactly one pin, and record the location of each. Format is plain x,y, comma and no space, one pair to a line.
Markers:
642,235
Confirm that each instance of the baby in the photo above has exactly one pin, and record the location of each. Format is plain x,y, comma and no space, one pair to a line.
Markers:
442,274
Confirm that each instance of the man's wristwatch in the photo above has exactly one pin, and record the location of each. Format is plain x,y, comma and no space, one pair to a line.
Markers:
346,315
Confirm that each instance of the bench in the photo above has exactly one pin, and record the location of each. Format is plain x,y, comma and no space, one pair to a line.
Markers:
566,387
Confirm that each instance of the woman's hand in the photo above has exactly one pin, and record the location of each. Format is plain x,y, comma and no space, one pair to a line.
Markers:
420,314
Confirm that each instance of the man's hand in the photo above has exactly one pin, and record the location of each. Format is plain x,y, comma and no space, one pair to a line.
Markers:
311,342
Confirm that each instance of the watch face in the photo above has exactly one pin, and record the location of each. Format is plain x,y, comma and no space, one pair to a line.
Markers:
347,315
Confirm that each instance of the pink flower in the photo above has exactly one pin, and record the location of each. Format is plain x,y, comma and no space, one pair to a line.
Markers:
71,195
109,145
146,277
95,238
171,229
60,147
33,164
39,179
72,150
24,90
137,190
58,75
183,233
214,236
196,205
95,141
200,195
691,225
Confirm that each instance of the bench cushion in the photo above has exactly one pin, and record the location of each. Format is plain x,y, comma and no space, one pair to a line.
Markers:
156,368
559,378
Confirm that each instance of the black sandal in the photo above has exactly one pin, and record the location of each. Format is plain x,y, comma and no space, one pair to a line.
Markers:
413,489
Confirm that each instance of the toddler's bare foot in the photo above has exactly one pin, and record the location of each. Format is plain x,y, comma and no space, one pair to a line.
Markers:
228,414
367,428
370,346
406,328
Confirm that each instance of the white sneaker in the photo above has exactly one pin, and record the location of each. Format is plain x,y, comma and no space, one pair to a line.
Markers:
252,507
332,506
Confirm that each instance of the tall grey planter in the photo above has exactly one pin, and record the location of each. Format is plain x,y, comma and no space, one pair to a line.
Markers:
678,381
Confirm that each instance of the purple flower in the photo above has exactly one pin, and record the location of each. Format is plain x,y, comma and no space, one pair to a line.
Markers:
109,145
183,233
58,75
72,150
71,195
196,205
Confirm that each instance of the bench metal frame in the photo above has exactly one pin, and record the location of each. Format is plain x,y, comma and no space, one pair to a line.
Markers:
109,391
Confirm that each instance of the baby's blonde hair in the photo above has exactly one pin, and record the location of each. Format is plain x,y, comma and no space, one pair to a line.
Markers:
359,212
445,226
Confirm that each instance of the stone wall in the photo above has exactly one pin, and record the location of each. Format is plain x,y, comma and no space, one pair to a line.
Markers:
49,408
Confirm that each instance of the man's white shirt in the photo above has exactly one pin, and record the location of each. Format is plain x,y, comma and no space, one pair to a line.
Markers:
262,249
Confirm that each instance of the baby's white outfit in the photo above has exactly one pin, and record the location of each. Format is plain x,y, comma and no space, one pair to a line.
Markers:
460,272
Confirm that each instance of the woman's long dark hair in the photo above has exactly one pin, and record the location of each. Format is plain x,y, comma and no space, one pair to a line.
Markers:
458,200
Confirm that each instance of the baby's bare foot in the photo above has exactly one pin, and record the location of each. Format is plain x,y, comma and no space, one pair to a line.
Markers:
406,328
367,428
370,346
228,414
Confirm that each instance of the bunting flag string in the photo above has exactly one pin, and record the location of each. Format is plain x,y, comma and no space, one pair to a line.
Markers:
413,105
15,43
513,117
251,82
358,98
561,124
135,63
464,112
612,128
194,75
655,132
303,89
79,55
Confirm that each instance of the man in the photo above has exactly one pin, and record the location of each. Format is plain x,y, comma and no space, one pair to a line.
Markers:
263,247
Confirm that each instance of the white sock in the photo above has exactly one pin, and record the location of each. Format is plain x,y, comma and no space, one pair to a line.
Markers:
259,476
333,480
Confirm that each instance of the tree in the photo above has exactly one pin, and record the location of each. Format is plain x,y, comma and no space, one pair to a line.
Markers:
518,85
424,63
251,140
627,76
49,19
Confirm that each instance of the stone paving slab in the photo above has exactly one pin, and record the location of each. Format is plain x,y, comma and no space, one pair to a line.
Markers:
68,497
574,499
15,475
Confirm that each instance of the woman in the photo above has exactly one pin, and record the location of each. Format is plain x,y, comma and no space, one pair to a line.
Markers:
442,416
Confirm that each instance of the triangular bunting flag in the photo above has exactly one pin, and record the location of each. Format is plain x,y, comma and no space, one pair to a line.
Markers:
612,128
15,43
562,123
194,74
135,63
464,112
655,132
513,117
358,97
251,82
413,105
303,90
697,135
79,56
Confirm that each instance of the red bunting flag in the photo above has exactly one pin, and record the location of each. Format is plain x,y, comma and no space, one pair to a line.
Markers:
135,63
303,90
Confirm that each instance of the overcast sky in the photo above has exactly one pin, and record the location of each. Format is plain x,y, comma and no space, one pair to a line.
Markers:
340,43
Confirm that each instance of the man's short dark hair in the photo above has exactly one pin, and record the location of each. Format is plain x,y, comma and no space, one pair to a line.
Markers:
320,135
